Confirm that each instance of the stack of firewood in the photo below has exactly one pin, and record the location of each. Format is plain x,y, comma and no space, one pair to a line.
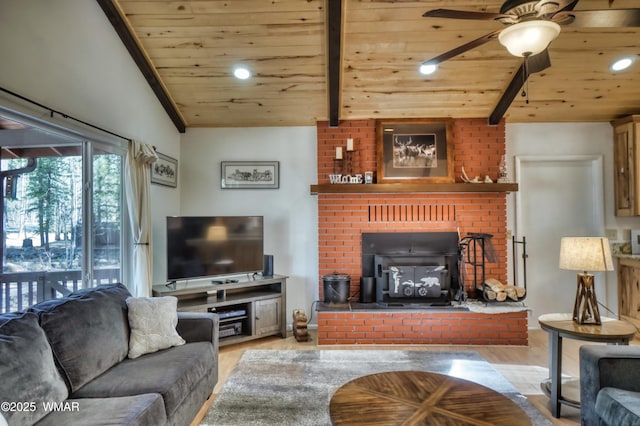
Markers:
300,331
500,292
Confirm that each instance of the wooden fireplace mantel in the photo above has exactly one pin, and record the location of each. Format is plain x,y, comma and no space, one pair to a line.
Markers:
377,188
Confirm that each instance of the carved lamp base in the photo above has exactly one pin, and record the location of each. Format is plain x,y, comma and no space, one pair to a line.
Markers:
585,308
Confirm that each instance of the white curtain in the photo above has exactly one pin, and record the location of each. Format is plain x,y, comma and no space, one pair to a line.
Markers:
140,156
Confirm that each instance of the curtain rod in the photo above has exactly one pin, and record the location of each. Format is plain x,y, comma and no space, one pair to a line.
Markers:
63,115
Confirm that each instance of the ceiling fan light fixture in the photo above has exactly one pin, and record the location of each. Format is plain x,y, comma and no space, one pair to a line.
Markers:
529,37
622,64
428,69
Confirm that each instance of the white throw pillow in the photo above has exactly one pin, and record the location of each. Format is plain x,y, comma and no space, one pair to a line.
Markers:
153,323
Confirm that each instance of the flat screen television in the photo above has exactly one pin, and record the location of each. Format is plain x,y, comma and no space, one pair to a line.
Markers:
204,246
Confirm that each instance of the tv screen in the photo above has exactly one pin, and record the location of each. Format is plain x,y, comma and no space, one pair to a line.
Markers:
203,246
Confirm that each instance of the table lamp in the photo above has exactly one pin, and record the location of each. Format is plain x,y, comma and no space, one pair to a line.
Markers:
585,254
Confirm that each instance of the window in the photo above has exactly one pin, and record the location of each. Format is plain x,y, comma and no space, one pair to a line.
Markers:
62,213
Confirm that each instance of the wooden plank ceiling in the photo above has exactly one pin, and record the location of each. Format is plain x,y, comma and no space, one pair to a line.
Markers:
194,45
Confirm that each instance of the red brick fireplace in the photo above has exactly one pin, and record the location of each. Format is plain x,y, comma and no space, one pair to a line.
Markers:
344,217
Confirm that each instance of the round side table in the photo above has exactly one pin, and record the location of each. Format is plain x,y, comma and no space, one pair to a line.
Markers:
559,326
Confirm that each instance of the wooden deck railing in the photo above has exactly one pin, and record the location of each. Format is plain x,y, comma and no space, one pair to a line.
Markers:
19,290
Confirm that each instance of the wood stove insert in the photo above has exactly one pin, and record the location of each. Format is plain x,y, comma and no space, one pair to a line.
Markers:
412,270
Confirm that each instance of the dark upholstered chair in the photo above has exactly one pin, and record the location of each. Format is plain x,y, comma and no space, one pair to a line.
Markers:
610,385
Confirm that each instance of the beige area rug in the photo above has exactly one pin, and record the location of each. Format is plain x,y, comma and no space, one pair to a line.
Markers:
289,387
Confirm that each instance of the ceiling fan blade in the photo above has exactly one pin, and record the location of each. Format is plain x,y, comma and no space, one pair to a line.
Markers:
605,18
532,65
463,14
539,62
463,48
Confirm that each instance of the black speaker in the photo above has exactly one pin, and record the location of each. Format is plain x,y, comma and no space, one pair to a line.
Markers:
268,265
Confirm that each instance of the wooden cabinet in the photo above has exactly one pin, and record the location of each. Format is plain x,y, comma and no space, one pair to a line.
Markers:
629,290
268,316
248,309
626,152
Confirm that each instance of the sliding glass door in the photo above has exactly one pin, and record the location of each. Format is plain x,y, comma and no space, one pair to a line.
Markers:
62,214
107,201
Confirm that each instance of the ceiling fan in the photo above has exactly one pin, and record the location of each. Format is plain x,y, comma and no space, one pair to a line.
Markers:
530,26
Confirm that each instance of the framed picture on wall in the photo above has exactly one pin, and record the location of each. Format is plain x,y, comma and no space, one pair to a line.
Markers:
414,151
250,174
165,171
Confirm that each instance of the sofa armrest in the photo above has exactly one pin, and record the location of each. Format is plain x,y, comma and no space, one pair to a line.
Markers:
198,327
606,366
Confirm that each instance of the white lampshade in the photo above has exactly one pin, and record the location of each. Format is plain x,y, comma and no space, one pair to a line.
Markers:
529,37
585,254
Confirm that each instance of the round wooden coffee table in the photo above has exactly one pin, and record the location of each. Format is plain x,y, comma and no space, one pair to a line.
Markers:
418,397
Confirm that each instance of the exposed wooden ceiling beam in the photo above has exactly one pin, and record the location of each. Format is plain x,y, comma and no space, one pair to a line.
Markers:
149,73
334,34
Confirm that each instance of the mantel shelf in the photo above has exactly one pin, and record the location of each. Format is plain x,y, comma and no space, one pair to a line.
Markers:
346,188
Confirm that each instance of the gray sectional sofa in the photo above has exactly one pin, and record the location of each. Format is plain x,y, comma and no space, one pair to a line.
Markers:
610,385
65,362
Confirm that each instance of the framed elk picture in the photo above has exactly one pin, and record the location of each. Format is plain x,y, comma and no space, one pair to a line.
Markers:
414,151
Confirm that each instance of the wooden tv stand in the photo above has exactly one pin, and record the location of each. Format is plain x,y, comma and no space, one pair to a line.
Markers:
248,309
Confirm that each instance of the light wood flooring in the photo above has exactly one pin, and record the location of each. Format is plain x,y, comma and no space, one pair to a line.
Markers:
523,366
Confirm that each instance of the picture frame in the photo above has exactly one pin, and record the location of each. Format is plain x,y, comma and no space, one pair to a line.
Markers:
414,151
250,174
165,171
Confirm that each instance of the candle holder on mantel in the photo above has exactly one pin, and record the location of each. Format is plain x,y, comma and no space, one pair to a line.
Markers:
338,160
349,157
343,163
337,166
347,165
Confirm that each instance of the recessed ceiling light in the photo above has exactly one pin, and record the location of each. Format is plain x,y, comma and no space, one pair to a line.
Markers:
427,69
242,73
622,64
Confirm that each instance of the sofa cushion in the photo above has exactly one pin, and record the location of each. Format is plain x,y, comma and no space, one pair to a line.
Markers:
28,374
139,410
172,373
88,331
152,321
618,407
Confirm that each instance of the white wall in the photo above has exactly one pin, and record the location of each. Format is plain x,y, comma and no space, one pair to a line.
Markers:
67,56
290,212
550,139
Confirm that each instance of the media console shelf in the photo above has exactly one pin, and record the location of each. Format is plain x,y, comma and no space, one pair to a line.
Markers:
248,309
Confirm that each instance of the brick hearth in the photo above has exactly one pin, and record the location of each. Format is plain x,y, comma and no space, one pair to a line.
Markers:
344,217
422,327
